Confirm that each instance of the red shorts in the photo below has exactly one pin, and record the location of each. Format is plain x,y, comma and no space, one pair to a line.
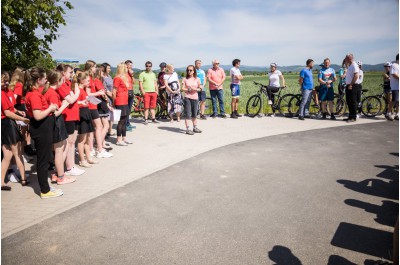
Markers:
150,100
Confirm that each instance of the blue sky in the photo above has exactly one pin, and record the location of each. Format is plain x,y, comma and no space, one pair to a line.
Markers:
256,31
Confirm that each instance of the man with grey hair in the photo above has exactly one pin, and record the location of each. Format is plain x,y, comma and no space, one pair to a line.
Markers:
351,87
216,77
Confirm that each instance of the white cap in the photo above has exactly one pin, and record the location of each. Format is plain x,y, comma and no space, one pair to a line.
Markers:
274,65
387,64
359,63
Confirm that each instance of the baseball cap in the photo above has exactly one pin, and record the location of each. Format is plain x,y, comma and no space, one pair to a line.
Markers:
274,65
387,64
162,65
359,63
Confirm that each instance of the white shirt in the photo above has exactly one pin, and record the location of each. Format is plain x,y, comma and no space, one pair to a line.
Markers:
274,78
360,77
235,71
394,83
172,78
353,68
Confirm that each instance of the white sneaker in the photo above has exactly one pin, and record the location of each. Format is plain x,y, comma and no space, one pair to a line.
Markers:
269,102
13,177
104,154
74,172
93,153
358,116
272,115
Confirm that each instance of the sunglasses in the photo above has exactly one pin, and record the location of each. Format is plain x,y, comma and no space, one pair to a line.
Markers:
147,66
190,70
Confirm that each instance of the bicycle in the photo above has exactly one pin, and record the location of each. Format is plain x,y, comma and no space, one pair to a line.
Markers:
371,105
384,102
255,102
138,105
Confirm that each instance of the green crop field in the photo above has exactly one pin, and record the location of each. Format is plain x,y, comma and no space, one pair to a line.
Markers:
371,81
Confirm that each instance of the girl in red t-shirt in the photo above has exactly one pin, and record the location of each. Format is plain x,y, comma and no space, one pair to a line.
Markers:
17,86
60,132
71,117
41,129
90,68
120,101
10,135
85,121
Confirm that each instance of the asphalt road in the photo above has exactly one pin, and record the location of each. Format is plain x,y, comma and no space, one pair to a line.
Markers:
326,196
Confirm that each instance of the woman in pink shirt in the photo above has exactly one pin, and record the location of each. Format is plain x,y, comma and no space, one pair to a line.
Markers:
191,85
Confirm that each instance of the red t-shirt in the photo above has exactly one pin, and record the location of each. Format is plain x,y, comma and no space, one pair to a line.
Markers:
82,96
70,113
92,90
11,96
34,100
51,96
122,92
18,89
6,104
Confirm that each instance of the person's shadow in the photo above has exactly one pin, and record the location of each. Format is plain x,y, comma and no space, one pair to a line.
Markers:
283,256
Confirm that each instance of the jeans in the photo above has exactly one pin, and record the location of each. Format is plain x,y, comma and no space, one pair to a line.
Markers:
305,102
130,103
217,93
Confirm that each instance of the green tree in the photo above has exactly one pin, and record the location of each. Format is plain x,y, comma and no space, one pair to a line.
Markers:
28,28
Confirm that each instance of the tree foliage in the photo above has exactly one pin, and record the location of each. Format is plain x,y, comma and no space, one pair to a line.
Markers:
28,28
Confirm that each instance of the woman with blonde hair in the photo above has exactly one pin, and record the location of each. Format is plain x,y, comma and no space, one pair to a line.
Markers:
17,86
175,101
90,68
120,101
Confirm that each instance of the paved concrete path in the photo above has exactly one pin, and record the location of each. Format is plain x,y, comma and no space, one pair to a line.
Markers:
326,196
155,147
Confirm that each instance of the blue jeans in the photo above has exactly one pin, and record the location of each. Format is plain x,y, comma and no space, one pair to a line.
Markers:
130,103
305,102
218,93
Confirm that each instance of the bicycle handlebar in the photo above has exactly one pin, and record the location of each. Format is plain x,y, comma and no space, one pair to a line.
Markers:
258,84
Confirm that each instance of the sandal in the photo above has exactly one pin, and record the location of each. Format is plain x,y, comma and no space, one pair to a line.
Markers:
5,187
24,182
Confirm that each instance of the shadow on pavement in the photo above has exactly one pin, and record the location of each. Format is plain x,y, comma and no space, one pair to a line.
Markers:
363,239
171,129
283,256
338,260
374,187
386,214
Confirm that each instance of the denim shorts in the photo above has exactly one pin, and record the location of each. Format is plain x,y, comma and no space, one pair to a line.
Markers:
235,89
202,96
395,95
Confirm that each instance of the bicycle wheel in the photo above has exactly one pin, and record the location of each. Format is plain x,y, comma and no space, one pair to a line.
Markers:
339,106
137,106
283,104
294,106
253,106
208,110
371,106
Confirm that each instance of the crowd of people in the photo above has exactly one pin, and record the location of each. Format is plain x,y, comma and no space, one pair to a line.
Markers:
53,114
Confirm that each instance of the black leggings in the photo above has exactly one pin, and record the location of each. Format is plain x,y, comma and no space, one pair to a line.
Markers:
121,127
271,90
42,132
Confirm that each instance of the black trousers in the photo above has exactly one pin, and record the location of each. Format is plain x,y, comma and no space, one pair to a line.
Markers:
359,91
42,132
270,91
351,99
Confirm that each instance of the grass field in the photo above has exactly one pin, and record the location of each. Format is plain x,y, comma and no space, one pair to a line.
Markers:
371,81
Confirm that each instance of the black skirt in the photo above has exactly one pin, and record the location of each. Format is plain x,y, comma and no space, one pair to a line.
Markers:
85,122
60,131
124,110
10,133
103,108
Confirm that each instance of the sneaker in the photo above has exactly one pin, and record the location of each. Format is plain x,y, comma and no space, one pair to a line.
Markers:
85,163
269,102
13,177
358,116
189,132
128,141
214,115
389,117
203,117
93,153
146,122
301,118
196,130
272,115
233,115
51,194
92,161
333,117
74,172
237,114
223,116
104,154
65,180
122,143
